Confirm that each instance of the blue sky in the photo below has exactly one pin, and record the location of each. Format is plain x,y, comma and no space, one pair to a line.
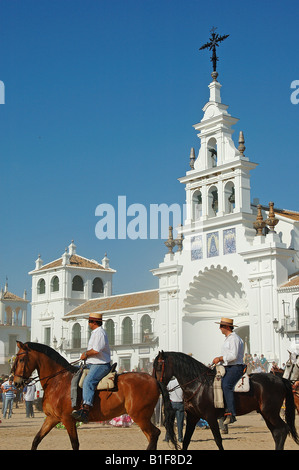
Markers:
100,99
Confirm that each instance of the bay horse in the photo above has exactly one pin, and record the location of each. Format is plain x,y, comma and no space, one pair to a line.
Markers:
266,396
136,394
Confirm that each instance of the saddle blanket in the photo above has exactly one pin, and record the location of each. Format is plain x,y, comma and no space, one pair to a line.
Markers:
106,383
243,385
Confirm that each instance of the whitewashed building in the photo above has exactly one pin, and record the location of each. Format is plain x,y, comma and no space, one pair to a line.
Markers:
67,290
233,258
13,326
237,260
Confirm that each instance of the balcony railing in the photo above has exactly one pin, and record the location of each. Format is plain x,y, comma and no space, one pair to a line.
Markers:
117,342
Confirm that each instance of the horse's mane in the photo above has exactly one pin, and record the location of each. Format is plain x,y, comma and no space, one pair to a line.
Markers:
51,354
189,367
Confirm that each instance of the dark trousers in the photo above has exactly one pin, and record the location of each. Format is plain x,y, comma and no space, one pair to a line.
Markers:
178,406
231,377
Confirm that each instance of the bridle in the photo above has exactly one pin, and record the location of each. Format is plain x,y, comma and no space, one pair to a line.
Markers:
34,380
161,362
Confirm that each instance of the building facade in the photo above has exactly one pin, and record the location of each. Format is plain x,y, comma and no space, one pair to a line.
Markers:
13,326
233,257
236,257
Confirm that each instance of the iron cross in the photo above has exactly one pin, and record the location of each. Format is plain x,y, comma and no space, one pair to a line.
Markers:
214,40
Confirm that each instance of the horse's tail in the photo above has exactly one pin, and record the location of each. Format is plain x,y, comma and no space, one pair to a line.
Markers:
290,410
169,415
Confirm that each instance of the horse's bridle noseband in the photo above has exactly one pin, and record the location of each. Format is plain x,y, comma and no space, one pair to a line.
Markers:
162,363
25,379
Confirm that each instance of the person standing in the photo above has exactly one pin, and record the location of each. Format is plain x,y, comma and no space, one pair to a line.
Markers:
9,390
97,359
232,354
177,403
29,394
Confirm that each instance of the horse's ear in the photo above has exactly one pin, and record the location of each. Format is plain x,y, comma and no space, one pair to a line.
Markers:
22,345
162,353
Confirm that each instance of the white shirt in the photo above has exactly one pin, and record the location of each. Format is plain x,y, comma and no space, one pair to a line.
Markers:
232,350
177,394
30,392
99,342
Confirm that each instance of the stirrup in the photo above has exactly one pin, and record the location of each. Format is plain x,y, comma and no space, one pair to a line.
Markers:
81,415
229,418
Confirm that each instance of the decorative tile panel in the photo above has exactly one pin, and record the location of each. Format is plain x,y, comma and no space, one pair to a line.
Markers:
229,241
196,247
212,244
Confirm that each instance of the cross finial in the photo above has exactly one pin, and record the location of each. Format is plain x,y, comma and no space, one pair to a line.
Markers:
214,42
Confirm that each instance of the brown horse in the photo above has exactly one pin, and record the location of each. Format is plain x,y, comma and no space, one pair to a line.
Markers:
136,395
266,396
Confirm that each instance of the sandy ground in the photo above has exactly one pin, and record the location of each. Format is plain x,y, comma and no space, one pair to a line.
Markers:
17,433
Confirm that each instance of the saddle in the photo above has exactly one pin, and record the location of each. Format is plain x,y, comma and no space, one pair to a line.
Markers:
243,385
108,382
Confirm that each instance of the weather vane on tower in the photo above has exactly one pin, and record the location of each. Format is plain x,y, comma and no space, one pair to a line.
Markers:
214,40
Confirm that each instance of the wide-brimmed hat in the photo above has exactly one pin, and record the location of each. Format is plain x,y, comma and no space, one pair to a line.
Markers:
95,316
226,322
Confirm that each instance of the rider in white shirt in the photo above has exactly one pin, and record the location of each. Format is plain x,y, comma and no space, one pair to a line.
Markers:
232,354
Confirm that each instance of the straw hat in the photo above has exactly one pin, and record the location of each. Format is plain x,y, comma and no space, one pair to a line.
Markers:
95,316
226,322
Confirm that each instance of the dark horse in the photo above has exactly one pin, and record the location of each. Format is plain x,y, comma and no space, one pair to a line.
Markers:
266,396
136,394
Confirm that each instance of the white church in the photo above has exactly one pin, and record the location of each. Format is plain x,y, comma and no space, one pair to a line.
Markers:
233,258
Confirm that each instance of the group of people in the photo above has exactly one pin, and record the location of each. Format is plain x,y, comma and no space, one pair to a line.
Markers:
10,394
256,364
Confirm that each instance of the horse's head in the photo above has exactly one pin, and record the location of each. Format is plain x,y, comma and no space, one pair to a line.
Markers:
24,365
162,368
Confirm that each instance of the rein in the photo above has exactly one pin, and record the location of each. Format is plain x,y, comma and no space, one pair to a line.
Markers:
36,379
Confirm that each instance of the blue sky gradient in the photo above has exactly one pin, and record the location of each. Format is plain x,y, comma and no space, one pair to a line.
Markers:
100,99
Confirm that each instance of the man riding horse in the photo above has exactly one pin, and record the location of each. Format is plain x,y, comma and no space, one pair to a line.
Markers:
97,359
232,358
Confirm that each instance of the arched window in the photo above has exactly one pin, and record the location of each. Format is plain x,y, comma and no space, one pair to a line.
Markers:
197,205
109,327
127,331
41,286
212,201
212,153
55,284
145,327
78,284
76,336
97,285
229,197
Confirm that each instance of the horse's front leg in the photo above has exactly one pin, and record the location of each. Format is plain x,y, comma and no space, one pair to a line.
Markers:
190,426
214,426
48,424
71,428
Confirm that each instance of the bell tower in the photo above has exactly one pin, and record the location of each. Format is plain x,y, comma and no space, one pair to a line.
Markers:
218,183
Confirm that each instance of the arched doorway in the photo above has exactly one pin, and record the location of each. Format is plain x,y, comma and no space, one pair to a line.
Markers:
214,292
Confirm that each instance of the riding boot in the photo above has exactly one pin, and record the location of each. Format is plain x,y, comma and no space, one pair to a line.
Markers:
82,414
229,419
